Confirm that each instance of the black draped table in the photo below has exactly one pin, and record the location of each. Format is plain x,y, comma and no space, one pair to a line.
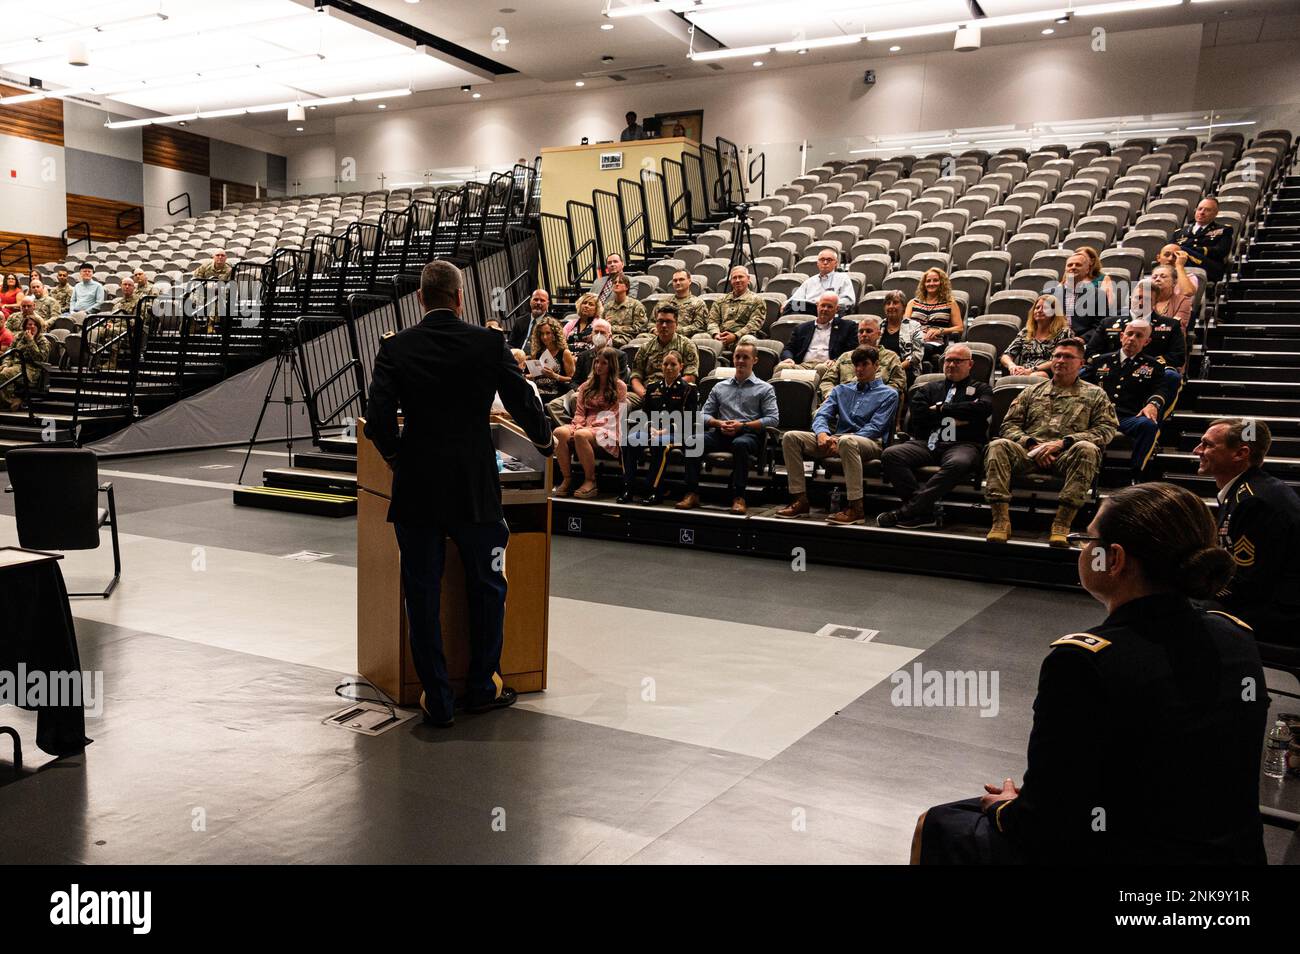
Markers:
38,636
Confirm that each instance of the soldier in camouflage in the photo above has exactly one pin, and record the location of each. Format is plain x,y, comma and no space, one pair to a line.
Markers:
1061,426
692,310
62,290
31,344
142,283
647,366
740,313
47,306
215,270
625,314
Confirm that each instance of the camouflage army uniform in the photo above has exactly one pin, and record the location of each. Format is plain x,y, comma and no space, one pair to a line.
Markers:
647,366
47,308
1081,414
738,316
210,272
692,315
63,295
626,321
147,288
840,371
36,351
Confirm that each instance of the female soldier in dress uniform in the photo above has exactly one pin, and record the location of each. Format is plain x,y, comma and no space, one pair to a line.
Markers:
675,399
1130,713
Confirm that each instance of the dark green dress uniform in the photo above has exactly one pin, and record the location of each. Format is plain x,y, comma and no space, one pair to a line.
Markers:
1208,249
1168,344
680,400
1131,385
1146,746
1259,524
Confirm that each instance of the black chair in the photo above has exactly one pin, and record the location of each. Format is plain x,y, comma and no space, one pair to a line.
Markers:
56,502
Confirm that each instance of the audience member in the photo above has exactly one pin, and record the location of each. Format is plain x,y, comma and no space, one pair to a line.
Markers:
855,424
1207,243
1259,524
603,287
889,369
595,426
87,294
520,330
143,284
734,416
7,335
521,359
820,339
633,131
1158,297
11,296
1030,352
1059,426
950,421
692,310
828,279
214,270
602,336
1084,295
1157,668
29,353
62,290
669,407
1155,300
738,314
555,362
936,310
128,297
647,363
1137,385
626,315
1175,258
577,332
47,306
903,336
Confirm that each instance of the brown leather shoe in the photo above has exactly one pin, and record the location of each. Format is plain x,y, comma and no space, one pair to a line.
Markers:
796,508
689,502
738,506
850,515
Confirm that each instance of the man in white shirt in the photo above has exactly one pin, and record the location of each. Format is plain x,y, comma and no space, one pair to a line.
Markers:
826,280
823,339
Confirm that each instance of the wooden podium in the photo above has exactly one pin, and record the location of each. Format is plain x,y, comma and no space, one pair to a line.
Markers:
383,649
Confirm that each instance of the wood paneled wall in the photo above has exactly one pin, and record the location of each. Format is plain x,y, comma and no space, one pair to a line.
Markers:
235,192
102,216
45,248
41,120
176,149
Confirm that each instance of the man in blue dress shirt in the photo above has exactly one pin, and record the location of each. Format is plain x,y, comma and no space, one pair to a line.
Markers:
734,415
854,423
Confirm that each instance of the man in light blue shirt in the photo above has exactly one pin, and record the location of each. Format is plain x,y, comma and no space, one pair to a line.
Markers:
733,416
854,423
87,294
827,279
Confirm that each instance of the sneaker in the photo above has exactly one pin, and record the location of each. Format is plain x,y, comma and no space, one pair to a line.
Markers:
916,521
889,518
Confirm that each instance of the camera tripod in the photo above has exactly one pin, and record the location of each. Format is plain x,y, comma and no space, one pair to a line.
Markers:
742,245
286,372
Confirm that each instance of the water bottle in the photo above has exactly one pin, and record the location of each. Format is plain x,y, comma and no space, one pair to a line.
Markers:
835,500
1279,740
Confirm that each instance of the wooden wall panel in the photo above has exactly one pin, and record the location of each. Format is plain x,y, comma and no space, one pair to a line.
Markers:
235,192
102,216
41,120
45,248
176,149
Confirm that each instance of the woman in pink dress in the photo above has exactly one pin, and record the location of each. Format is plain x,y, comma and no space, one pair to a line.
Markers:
595,425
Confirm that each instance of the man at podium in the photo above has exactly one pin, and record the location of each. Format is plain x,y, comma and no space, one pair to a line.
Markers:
443,375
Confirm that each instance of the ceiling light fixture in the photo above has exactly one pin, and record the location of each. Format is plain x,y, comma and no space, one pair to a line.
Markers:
1015,19
382,106
297,128
477,96
758,62
803,46
265,108
580,83
705,56
607,26
895,49
1048,32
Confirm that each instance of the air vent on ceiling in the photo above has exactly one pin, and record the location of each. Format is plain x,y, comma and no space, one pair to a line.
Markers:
618,78
714,66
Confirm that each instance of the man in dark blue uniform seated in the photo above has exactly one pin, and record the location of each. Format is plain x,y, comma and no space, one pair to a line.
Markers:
1259,524
1105,783
1139,387
1207,243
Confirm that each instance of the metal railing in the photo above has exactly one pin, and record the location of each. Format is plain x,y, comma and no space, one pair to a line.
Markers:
677,197
609,226
696,187
68,241
632,217
132,218
654,197
26,246
179,208
585,260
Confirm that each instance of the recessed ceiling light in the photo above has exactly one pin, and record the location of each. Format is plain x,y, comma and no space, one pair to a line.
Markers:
381,106
758,62
313,107
1048,32
607,26
299,128
580,83
182,123
477,96
894,49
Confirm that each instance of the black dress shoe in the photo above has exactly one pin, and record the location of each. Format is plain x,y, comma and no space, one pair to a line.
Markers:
916,521
430,720
625,497
889,518
652,501
507,698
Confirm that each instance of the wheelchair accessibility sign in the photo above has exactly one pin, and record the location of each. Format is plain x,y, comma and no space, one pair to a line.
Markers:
575,525
686,536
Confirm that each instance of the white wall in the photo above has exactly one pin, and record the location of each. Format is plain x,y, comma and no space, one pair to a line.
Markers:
33,187
83,128
1139,72
161,184
311,160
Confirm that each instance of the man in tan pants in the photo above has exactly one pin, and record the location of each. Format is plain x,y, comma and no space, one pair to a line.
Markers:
854,423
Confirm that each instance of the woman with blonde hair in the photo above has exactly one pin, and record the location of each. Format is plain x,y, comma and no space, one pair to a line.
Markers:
936,310
549,349
1030,353
595,425
577,331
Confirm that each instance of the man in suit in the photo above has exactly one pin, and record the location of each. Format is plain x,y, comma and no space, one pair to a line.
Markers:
822,339
520,330
442,374
1259,521
1206,243
603,287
